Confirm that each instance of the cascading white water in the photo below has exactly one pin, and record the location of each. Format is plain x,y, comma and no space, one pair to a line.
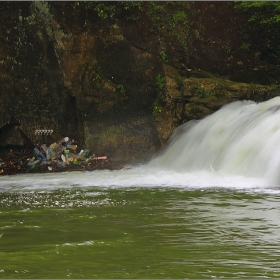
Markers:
242,138
236,147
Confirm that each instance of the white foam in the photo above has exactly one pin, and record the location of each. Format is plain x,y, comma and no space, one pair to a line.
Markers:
236,147
136,177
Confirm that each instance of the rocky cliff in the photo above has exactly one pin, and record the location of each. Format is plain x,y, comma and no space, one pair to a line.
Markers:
114,87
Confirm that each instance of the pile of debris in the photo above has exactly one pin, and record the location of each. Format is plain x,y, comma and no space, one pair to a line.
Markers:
63,155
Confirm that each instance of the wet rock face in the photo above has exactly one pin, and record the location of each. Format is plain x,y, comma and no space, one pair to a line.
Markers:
61,73
64,71
12,135
33,93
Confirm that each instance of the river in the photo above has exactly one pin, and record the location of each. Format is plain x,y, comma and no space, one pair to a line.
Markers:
205,207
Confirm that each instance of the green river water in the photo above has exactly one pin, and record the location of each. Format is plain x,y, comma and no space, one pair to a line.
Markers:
208,206
150,232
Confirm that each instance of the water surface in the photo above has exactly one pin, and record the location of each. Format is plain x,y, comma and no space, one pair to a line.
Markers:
205,207
140,232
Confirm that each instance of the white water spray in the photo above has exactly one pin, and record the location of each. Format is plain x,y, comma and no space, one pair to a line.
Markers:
236,147
242,138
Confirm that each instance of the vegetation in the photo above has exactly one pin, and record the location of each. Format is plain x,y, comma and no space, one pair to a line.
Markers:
160,82
169,19
113,135
201,92
174,19
262,12
156,108
163,57
165,18
97,79
121,88
262,21
89,66
177,23
159,103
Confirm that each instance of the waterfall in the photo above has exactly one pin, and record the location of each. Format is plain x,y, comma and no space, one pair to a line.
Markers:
242,138
236,147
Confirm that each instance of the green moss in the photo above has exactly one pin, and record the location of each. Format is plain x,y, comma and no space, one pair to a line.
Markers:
201,92
273,86
179,82
114,135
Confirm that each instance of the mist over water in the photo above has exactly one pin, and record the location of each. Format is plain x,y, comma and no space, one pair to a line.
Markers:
242,138
237,147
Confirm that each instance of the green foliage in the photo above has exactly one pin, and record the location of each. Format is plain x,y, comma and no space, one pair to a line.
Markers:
227,47
169,19
90,66
262,22
201,92
264,12
132,9
180,17
121,88
245,46
110,82
273,86
158,104
103,10
163,56
75,5
179,82
96,79
160,82
156,108
165,18
111,10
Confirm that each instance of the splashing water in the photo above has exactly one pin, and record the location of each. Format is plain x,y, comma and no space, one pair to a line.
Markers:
237,146
242,138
